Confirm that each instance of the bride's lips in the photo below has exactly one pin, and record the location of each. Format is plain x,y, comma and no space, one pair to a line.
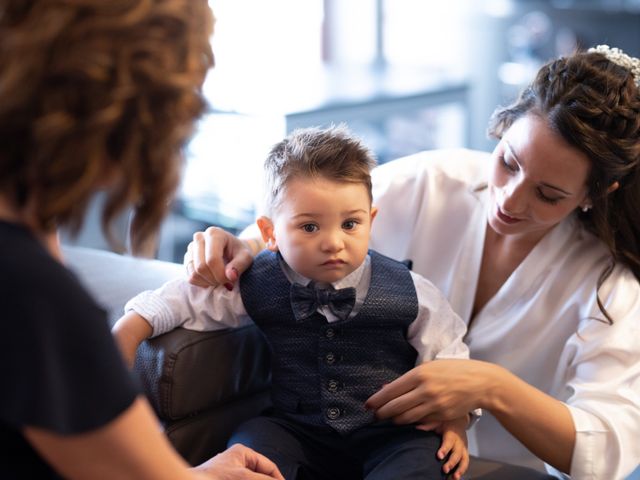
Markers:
506,218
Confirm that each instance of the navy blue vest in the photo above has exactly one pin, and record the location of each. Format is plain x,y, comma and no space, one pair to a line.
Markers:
323,372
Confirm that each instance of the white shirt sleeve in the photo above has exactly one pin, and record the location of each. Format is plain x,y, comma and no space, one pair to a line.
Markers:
178,303
437,332
603,386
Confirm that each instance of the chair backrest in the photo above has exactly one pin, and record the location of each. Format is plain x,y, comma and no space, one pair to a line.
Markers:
113,279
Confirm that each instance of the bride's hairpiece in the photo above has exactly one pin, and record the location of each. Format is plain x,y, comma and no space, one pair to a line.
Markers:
618,57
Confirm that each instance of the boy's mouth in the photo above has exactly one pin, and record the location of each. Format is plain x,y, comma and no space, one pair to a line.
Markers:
334,262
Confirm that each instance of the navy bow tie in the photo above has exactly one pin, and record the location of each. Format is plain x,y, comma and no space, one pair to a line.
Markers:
306,300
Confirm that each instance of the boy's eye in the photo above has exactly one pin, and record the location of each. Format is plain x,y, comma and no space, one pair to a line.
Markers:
309,227
349,224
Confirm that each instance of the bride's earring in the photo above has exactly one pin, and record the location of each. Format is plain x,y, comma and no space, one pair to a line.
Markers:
587,207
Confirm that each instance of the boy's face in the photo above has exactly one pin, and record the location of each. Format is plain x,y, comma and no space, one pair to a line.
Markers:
321,227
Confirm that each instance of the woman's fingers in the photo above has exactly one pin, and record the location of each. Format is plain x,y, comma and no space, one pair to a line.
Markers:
240,462
405,400
261,464
209,250
427,425
192,275
389,396
241,258
195,263
416,410
216,257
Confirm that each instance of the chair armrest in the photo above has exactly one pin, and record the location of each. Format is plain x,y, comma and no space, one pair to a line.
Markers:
185,373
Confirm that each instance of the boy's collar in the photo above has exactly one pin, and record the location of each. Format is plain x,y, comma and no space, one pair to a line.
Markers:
351,280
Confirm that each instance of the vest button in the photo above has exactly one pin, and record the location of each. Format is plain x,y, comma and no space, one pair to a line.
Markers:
330,358
332,386
333,413
329,333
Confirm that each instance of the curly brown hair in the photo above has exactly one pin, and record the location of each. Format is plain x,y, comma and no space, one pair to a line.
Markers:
594,104
95,94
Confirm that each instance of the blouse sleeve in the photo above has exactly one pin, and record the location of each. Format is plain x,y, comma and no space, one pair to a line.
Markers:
438,331
178,303
603,384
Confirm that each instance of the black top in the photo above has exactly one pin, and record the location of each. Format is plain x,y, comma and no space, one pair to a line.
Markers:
59,365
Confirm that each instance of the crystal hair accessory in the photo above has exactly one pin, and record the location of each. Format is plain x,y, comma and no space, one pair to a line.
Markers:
618,57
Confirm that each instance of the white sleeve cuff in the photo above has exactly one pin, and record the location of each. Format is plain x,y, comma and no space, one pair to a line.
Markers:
474,416
154,310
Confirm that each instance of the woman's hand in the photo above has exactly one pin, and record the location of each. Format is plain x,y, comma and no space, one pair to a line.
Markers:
216,257
442,390
436,391
240,462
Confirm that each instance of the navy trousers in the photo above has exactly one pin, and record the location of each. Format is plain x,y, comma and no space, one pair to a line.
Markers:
376,452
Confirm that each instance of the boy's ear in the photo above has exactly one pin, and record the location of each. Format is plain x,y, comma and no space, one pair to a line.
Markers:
374,212
268,234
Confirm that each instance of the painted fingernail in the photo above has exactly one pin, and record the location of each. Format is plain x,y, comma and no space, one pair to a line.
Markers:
228,286
234,274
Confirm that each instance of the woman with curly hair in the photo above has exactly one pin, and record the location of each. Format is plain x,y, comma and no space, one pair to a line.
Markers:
537,248
94,95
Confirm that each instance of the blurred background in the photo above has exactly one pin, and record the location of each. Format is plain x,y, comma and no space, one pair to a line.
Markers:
405,75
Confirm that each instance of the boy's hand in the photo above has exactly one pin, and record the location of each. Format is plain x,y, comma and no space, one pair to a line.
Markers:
454,445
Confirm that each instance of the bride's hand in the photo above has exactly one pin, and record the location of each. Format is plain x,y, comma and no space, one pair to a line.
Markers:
434,391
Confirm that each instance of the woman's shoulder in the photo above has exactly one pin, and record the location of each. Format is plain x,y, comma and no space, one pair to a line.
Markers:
619,292
30,276
462,165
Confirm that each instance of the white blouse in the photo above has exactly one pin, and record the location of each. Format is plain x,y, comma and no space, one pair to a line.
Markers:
544,324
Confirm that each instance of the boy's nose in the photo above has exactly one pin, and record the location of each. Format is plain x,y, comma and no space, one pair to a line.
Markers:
332,242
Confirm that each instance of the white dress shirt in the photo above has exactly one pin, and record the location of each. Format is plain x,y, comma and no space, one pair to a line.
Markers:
437,332
544,324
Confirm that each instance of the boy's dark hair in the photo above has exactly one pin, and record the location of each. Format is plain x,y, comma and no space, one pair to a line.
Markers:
333,153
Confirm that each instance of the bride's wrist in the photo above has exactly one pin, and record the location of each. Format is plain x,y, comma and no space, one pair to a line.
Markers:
496,380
